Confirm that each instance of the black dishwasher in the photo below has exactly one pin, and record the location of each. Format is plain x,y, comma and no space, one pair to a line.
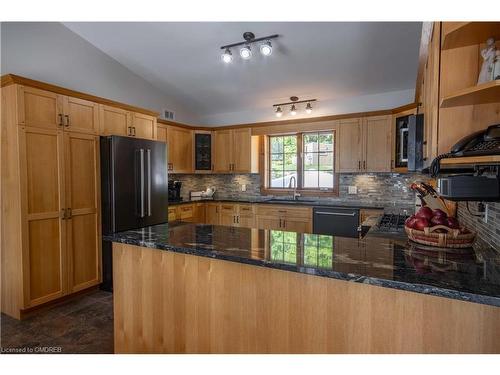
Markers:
336,221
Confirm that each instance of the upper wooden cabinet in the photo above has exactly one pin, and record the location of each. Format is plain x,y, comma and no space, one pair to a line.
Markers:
80,115
143,126
115,121
365,144
235,150
377,140
180,149
44,109
350,145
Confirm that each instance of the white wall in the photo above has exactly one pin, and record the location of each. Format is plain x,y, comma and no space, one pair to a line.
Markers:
374,102
52,53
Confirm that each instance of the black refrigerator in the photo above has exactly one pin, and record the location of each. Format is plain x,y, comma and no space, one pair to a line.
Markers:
134,190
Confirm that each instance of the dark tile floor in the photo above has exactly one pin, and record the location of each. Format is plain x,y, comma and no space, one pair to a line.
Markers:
82,325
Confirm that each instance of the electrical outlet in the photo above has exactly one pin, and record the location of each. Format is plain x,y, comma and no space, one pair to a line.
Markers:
243,187
352,190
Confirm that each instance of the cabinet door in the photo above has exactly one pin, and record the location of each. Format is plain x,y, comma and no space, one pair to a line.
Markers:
39,108
42,184
144,126
377,148
114,121
228,214
81,115
82,197
161,133
241,150
246,216
172,214
199,213
212,213
185,212
268,222
222,150
350,145
180,150
301,225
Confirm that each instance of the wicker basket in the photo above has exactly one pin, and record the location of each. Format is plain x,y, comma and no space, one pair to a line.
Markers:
451,238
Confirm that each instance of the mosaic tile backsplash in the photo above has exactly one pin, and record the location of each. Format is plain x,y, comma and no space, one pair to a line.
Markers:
488,232
388,189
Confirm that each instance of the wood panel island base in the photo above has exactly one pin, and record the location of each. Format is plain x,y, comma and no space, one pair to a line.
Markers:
168,302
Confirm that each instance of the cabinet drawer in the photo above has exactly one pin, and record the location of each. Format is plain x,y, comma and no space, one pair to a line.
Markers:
246,210
284,211
172,216
227,208
186,212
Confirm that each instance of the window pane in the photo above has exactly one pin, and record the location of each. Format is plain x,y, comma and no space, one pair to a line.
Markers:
290,237
310,239
326,161
326,142
310,142
277,179
288,175
276,144
290,162
290,144
311,179
290,253
326,179
310,161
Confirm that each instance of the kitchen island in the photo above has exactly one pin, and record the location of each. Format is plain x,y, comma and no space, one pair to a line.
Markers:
192,288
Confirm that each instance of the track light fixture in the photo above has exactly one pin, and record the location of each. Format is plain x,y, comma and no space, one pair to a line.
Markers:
266,48
293,106
227,56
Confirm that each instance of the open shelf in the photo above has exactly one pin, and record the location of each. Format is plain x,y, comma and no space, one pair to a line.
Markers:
488,92
470,33
485,159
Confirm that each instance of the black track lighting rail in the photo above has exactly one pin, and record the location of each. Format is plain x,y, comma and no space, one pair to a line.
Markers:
250,40
295,102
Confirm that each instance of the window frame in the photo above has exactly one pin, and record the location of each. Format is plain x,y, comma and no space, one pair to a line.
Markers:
266,189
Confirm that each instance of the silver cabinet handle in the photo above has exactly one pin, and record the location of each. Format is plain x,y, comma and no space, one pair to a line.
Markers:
335,213
141,165
67,120
148,159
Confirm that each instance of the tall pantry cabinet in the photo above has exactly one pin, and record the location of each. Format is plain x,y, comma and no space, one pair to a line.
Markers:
50,197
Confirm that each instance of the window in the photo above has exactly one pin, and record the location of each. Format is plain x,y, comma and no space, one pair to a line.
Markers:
309,157
283,246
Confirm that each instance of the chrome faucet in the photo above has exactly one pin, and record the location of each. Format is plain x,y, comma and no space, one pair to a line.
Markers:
295,194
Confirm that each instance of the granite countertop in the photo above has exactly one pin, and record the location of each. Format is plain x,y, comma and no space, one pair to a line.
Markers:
471,274
303,202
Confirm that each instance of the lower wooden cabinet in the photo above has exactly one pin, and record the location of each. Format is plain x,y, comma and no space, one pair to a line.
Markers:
282,217
212,213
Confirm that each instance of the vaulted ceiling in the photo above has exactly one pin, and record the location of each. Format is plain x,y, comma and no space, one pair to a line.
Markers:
328,61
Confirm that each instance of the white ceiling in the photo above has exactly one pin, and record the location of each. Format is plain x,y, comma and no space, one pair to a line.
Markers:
328,61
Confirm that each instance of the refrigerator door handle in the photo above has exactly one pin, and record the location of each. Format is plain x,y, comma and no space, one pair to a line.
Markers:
148,159
141,174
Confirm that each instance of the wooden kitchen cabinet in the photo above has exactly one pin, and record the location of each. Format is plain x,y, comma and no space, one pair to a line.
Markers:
228,214
365,144
44,230
39,108
212,213
236,150
377,144
82,199
115,121
80,115
143,126
180,150
172,214
284,217
350,145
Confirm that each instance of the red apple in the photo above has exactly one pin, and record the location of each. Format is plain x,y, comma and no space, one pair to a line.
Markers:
439,220
421,223
410,222
424,213
439,213
452,223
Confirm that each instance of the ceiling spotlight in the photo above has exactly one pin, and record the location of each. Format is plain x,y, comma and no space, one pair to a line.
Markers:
309,108
245,52
227,56
293,111
279,112
266,48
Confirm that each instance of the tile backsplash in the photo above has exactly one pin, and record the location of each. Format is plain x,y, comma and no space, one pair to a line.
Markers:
488,232
390,190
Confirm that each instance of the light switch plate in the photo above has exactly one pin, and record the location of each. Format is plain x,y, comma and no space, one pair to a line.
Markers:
243,187
352,190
